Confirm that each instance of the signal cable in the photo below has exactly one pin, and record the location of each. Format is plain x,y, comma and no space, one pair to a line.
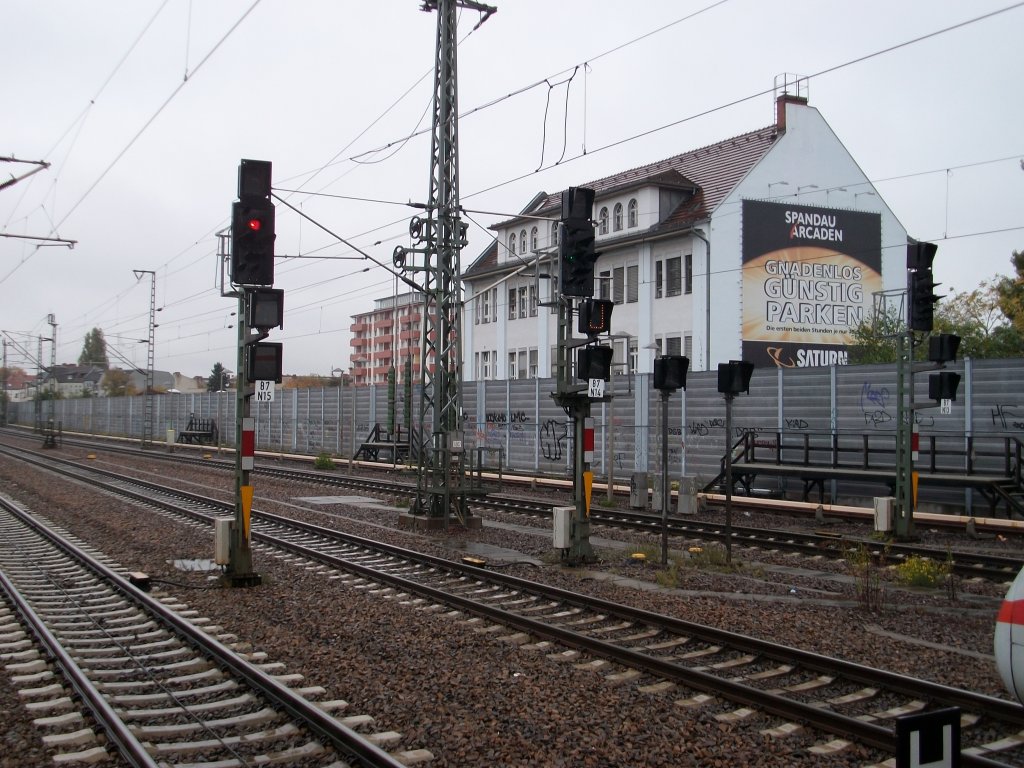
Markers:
139,133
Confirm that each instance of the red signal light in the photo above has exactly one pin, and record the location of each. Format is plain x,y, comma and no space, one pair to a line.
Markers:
255,224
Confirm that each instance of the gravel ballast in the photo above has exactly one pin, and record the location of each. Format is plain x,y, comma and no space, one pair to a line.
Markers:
469,697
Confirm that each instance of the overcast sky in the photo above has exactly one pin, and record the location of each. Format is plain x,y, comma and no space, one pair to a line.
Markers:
144,108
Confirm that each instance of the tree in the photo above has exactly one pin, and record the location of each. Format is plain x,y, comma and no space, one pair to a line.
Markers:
117,383
219,379
94,350
309,381
874,341
1010,291
975,316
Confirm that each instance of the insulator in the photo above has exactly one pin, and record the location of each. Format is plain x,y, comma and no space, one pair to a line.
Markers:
398,257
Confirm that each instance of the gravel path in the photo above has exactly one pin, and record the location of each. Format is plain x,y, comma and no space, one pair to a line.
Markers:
469,698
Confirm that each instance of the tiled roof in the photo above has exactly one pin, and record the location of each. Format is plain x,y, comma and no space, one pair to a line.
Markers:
715,170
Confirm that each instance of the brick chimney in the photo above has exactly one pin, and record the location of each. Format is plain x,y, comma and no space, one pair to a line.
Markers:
780,108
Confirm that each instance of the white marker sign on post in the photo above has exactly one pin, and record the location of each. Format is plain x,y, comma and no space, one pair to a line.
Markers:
596,389
264,392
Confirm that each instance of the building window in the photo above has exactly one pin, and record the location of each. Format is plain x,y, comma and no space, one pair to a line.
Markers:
688,347
602,219
617,217
554,233
511,365
604,283
658,278
533,301
485,312
522,241
533,363
634,355
478,309
524,307
485,365
632,284
512,244
494,306
673,276
511,303
632,213
533,239
689,273
618,275
673,345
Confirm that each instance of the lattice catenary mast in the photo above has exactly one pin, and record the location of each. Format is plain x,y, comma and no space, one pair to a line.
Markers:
440,236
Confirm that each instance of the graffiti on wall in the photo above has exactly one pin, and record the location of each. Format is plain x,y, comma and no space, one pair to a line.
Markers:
1005,415
554,436
874,404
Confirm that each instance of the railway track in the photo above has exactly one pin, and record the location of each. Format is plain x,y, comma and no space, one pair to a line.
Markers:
682,664
964,563
160,688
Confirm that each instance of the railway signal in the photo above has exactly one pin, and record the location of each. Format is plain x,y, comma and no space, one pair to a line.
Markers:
669,375
595,316
594,363
576,254
942,347
253,226
733,378
921,296
943,385
670,372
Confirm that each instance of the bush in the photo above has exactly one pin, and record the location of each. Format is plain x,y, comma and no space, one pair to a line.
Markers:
918,571
324,461
867,570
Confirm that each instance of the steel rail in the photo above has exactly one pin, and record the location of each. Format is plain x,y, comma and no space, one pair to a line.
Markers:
116,729
829,721
826,720
964,563
343,739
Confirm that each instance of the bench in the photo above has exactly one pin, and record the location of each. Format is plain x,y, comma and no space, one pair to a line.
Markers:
199,432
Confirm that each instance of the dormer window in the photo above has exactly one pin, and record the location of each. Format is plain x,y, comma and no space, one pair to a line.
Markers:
632,213
617,217
602,222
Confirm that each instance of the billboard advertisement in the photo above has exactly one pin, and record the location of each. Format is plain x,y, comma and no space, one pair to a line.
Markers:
808,277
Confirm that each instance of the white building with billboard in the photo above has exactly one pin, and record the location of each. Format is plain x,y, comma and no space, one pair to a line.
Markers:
767,247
